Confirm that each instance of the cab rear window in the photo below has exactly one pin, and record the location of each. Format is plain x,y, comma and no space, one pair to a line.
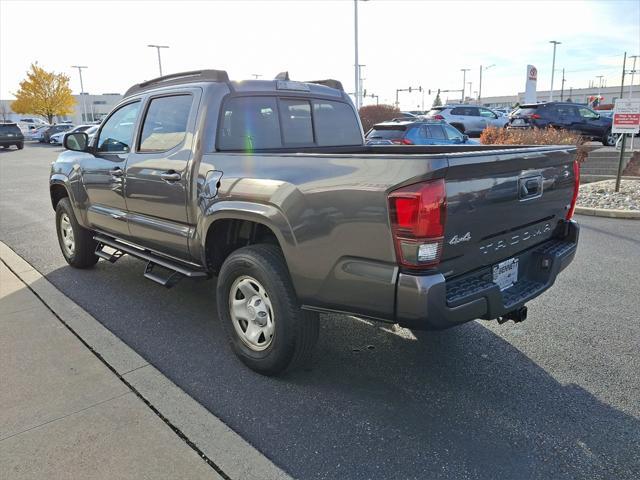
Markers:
269,122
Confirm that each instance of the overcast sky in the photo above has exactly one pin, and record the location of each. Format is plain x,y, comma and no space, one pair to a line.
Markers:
402,43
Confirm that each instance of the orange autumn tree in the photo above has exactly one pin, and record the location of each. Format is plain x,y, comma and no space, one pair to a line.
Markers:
44,93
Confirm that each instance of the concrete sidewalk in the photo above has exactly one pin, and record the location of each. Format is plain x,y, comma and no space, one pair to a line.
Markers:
65,414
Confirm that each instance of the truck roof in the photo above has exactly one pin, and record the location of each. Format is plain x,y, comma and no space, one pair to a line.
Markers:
281,82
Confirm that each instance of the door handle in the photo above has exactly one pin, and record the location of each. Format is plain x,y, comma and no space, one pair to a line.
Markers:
170,176
116,172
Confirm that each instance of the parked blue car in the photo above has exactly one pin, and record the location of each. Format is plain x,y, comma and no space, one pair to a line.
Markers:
403,131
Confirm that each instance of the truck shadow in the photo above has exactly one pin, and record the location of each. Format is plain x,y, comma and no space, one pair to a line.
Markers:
375,402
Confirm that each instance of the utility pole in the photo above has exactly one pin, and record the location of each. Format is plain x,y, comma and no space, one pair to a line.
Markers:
633,72
599,77
464,81
84,107
562,87
357,61
553,67
158,47
624,136
480,87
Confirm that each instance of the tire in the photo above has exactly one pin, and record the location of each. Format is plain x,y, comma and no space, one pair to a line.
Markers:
289,334
82,253
609,139
20,146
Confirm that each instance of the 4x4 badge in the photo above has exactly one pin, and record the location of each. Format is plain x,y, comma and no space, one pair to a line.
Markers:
456,239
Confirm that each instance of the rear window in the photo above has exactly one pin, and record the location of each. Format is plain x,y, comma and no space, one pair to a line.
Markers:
9,129
526,111
386,133
434,111
255,123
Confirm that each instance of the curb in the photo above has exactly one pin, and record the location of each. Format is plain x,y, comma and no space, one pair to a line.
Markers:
603,212
221,447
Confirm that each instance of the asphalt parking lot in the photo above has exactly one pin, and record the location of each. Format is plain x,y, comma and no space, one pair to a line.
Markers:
557,396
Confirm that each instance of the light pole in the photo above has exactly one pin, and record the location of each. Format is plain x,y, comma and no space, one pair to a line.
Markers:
464,80
256,75
84,107
553,67
357,95
158,47
633,72
480,87
599,77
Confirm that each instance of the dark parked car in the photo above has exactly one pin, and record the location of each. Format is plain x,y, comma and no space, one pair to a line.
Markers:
61,127
267,186
418,132
567,116
10,134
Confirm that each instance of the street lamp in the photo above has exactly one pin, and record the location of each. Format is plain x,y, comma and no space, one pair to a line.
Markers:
464,80
356,65
158,47
480,87
553,67
84,107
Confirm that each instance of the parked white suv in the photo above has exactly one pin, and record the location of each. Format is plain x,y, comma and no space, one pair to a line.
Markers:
469,119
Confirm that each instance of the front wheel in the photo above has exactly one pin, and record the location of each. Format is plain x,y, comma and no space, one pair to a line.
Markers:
259,310
609,139
77,243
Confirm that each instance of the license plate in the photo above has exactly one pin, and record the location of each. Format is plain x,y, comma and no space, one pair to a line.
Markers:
505,274
518,121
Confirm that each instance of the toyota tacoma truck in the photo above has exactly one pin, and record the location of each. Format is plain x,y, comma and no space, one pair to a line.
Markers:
267,186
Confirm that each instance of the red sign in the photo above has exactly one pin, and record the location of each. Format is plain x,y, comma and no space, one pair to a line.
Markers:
626,119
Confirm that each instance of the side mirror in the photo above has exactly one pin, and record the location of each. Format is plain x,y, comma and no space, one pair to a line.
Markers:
78,141
465,138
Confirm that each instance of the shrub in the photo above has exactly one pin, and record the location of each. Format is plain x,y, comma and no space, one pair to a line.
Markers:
372,114
533,136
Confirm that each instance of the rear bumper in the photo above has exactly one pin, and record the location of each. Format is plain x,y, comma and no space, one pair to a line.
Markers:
431,302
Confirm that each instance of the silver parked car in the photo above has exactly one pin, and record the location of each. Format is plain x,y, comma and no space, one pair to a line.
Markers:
469,119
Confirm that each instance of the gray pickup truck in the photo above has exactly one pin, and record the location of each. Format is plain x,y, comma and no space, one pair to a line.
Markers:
268,186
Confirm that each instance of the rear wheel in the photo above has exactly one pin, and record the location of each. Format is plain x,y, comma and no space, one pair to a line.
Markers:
259,311
609,139
20,146
77,243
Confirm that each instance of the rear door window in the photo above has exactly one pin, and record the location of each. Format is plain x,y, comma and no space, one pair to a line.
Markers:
452,133
435,131
165,124
466,111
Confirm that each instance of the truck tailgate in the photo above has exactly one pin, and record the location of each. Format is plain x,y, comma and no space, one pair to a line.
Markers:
503,203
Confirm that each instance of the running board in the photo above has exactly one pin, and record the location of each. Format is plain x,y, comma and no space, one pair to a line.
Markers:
177,271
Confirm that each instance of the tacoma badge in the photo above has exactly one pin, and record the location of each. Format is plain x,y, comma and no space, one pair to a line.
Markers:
456,239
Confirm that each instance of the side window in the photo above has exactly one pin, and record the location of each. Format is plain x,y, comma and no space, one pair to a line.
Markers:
588,114
335,124
452,133
117,132
487,113
165,124
297,128
435,131
249,123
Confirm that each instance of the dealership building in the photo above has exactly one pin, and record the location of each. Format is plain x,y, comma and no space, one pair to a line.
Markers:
94,108
577,95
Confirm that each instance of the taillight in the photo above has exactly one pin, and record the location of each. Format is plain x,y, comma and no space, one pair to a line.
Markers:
438,117
418,214
401,141
535,116
576,189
